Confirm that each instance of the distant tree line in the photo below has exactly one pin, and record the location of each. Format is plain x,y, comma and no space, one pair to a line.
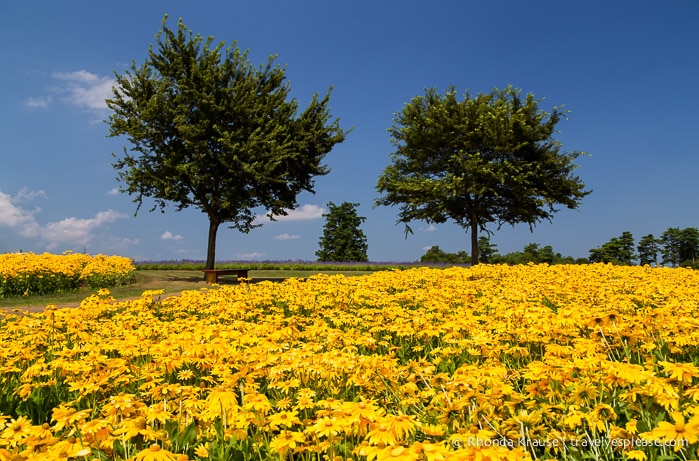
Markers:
675,248
489,254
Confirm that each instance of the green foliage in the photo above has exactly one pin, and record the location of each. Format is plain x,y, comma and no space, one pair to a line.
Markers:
534,253
436,255
487,251
276,265
38,283
342,239
208,129
676,247
648,249
619,250
490,158
680,246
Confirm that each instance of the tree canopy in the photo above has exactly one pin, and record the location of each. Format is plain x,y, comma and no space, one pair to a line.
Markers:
208,129
343,239
489,158
436,255
618,250
677,247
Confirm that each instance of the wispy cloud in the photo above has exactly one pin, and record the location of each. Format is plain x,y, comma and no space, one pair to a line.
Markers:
69,231
39,102
113,191
79,88
302,213
77,231
14,216
252,256
167,235
287,237
85,89
430,228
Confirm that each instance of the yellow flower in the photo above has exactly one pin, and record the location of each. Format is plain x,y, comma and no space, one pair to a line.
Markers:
16,431
155,453
67,417
682,372
285,441
327,427
397,454
130,428
636,454
69,448
381,433
202,450
677,431
284,418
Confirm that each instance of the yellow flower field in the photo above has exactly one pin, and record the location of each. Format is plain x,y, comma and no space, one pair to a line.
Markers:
25,274
486,363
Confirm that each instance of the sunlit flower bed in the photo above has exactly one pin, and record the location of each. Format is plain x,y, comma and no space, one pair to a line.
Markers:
488,363
26,274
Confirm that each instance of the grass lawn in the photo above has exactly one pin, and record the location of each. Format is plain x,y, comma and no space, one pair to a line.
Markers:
171,281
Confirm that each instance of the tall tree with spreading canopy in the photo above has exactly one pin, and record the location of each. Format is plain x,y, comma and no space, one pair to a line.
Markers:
489,158
209,130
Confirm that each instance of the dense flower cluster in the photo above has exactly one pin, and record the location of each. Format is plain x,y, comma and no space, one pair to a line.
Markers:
486,363
24,274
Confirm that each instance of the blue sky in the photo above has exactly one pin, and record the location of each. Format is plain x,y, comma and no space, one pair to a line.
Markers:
627,70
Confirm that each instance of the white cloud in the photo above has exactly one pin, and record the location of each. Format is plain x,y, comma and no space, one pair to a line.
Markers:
14,216
252,256
287,237
85,89
26,195
75,230
302,213
70,231
167,235
121,245
39,102
113,191
430,228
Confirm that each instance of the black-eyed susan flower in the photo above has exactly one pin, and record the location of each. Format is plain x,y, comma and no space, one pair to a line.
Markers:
155,453
286,441
283,419
16,430
679,432
681,372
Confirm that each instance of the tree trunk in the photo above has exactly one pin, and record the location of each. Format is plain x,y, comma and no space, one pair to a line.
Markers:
211,247
474,239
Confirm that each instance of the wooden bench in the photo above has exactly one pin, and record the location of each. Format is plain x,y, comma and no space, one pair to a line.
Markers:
212,275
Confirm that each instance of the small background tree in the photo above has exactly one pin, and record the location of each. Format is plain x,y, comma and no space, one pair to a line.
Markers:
343,239
648,250
487,251
680,246
618,250
436,255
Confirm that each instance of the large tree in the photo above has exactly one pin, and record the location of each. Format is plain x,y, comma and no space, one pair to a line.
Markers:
343,238
208,129
489,158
